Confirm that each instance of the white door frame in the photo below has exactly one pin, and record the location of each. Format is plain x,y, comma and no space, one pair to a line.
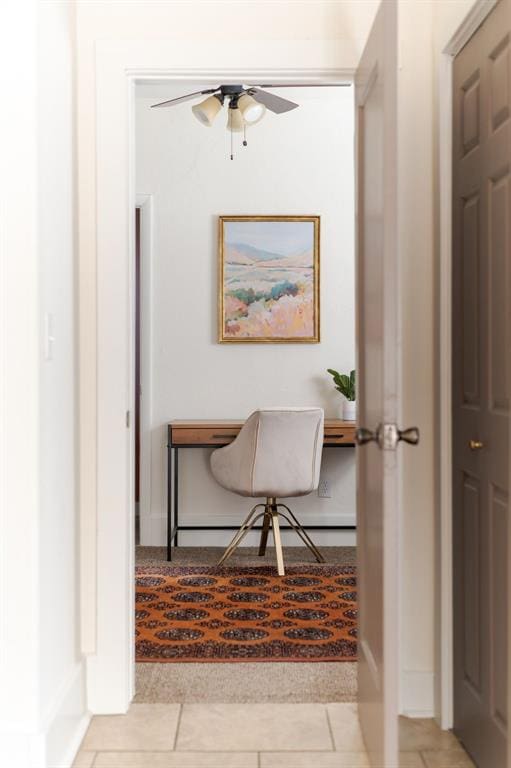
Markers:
107,545
145,203
479,11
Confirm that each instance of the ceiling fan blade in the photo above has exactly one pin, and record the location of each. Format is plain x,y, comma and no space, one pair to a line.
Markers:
274,103
299,85
171,102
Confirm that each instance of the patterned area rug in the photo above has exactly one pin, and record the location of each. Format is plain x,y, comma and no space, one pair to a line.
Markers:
246,614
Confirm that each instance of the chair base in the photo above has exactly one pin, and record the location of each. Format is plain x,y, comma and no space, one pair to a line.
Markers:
271,520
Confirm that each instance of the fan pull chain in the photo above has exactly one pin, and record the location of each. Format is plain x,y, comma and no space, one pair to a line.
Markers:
245,135
232,151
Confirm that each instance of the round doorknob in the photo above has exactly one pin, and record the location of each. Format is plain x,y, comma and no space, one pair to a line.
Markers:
363,436
475,445
410,435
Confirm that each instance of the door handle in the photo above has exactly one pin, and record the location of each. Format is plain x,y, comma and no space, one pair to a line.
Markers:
363,436
387,436
475,445
410,435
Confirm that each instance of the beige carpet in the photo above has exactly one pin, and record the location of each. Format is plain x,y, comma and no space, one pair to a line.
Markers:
243,556
245,682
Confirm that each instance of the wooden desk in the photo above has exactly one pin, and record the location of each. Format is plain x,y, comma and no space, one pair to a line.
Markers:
210,433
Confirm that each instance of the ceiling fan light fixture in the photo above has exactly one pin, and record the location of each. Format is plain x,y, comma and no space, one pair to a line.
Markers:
207,110
251,110
235,122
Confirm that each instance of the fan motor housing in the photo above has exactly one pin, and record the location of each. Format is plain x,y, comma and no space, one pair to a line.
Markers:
231,90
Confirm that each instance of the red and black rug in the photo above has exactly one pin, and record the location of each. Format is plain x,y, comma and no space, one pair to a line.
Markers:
246,614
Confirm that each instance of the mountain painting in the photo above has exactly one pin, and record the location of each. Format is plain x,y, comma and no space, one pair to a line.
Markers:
269,279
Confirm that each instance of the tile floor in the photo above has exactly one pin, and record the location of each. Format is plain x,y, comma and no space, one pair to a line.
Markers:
253,736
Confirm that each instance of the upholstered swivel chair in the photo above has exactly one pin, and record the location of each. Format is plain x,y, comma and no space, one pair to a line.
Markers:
277,454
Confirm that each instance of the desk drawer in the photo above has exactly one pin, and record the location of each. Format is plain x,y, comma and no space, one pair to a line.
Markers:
203,435
211,435
340,435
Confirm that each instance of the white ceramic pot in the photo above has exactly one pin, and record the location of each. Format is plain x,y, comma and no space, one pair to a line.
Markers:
349,410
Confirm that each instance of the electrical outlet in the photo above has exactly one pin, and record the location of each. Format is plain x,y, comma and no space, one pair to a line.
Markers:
324,491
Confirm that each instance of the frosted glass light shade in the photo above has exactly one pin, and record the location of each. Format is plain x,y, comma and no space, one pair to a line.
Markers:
251,110
207,110
235,121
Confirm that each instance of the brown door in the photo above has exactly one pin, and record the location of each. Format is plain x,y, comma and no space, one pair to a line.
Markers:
481,270
376,93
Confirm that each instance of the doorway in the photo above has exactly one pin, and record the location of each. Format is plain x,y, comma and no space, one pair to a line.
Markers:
184,275
112,625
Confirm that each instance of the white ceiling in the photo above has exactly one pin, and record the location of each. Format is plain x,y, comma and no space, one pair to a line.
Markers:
343,20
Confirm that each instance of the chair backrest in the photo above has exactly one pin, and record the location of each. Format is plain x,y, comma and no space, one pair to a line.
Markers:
288,447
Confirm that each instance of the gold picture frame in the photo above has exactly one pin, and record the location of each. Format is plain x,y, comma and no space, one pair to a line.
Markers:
274,295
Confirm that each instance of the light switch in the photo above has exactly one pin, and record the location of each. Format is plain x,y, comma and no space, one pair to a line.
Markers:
49,338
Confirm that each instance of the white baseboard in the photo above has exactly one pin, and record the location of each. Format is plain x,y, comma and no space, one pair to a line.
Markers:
417,694
16,748
55,743
76,740
156,534
66,721
289,539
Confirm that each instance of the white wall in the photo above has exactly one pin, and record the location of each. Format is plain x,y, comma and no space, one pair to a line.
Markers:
44,714
61,676
448,17
297,163
19,387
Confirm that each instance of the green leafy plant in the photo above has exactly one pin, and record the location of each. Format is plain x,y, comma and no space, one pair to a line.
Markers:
344,384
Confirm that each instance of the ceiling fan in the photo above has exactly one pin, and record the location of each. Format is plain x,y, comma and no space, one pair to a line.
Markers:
247,103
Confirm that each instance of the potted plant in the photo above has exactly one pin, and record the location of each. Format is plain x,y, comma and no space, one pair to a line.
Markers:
346,386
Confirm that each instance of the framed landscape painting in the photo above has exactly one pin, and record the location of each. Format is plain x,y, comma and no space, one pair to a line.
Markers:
269,279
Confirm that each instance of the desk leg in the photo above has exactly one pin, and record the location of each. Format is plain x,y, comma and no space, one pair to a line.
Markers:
176,494
169,501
